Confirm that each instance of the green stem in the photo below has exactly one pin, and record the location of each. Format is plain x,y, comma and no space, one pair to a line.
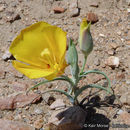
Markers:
84,63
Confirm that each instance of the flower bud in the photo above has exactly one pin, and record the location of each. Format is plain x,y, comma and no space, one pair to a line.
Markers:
85,38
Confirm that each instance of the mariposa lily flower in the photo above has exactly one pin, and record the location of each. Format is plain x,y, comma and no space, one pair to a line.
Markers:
40,51
85,38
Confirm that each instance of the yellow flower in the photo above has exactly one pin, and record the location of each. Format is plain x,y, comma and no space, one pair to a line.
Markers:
40,51
85,38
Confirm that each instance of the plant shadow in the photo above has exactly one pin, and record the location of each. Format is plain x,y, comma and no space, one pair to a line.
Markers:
96,121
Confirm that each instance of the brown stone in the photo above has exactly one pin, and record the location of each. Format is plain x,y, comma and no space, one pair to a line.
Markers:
18,100
38,123
14,125
57,104
91,17
113,45
72,118
59,10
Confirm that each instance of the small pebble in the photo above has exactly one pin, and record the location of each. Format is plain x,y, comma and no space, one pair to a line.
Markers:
6,56
110,52
59,10
57,104
91,17
113,61
97,62
94,4
74,12
113,45
2,8
101,35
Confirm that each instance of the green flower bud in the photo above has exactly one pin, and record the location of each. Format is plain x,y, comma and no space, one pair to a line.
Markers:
85,38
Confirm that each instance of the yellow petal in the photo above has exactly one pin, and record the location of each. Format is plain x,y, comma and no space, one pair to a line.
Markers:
83,26
29,46
41,50
31,71
56,40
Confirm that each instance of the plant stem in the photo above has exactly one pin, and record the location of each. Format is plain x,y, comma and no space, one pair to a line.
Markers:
83,66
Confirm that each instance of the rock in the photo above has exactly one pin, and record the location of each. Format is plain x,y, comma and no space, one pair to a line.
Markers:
73,9
49,99
74,12
59,10
102,35
57,104
119,112
18,100
7,55
72,118
91,17
110,52
113,45
119,33
2,7
94,4
38,123
14,125
125,117
112,61
128,10
125,98
97,62
11,17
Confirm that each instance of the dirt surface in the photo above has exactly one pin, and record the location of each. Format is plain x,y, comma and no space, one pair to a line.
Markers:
111,38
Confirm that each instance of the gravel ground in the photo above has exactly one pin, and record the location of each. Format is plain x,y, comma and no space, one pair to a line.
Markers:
111,38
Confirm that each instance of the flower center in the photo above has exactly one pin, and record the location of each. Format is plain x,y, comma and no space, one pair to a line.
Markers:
56,67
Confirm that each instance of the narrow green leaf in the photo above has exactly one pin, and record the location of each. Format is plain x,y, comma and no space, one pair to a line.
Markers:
61,91
65,78
97,72
90,86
